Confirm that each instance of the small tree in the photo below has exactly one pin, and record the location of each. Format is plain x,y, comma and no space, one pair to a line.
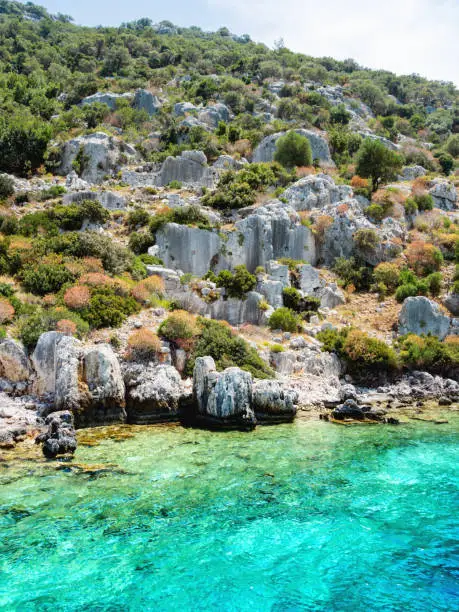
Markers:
376,161
6,186
292,149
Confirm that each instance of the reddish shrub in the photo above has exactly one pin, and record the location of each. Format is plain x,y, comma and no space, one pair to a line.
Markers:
6,311
144,343
77,297
66,327
145,288
423,257
357,182
96,279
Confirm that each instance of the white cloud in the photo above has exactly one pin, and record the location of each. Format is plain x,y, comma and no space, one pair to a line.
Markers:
404,36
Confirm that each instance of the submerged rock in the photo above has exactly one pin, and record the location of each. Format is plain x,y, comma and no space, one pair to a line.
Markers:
60,439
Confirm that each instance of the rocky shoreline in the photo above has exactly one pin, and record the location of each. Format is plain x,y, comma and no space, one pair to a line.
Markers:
66,386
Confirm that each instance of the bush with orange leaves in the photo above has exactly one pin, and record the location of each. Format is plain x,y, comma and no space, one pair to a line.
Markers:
6,311
66,327
148,287
303,171
423,257
92,264
77,297
143,343
96,279
419,186
180,327
357,182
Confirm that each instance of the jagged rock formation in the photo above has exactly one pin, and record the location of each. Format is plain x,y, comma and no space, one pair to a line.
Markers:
14,364
272,403
271,232
145,101
419,315
315,191
109,98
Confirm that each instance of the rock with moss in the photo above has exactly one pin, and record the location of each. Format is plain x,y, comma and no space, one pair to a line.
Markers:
274,403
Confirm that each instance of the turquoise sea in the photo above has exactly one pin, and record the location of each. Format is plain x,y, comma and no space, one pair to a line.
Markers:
305,516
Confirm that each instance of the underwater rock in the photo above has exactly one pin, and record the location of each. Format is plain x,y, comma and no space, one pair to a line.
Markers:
60,439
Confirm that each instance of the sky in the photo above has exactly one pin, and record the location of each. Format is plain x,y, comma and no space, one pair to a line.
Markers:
404,36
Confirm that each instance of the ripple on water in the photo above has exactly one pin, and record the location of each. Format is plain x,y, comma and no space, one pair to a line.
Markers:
306,516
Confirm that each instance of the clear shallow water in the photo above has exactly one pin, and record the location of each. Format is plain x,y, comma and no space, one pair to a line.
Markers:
308,516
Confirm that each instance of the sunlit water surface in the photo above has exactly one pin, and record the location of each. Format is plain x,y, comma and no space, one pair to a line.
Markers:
308,516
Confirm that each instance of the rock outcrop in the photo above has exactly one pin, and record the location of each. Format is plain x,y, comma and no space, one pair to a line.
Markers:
272,403
14,363
223,400
320,150
108,199
419,315
271,232
108,98
144,100
451,302
444,194
95,156
190,168
155,393
315,191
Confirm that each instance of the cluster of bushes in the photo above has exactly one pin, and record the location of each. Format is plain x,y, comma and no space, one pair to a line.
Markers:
285,319
358,349
237,284
201,337
304,305
238,189
69,218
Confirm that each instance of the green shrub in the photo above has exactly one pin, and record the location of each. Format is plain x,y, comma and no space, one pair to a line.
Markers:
175,185
351,272
446,163
284,319
187,215
230,196
375,212
367,240
376,161
388,274
362,351
292,150
217,340
295,301
411,208
333,339
107,309
434,281
237,284
138,217
428,352
423,201
72,216
46,278
52,192
140,242
405,291
38,321
6,186
179,325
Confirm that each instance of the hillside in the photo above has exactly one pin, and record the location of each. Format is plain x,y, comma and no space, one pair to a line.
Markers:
169,194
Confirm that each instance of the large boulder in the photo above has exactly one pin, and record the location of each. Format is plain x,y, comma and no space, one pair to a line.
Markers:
104,382
451,302
223,399
409,173
155,393
145,101
14,364
68,395
419,315
315,191
44,362
267,148
212,115
444,194
109,98
97,155
273,403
